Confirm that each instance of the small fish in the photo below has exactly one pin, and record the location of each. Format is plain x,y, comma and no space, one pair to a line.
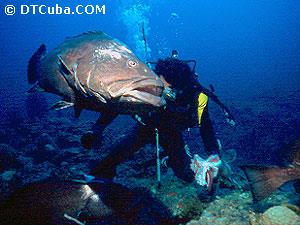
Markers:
174,14
97,72
80,202
264,180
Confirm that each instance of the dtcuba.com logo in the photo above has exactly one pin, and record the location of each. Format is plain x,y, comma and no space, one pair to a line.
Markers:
54,9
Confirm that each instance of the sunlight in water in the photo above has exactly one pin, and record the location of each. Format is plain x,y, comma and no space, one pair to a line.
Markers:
135,18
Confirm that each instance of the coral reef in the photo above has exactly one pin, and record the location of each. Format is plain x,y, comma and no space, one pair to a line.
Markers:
276,215
32,150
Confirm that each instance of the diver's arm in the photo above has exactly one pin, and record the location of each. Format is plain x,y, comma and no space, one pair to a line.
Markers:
93,138
103,121
205,126
229,117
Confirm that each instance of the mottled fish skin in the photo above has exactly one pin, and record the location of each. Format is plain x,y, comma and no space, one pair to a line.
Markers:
264,180
64,202
49,202
97,72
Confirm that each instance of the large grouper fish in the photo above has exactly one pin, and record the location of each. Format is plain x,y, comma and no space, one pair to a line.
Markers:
97,72
78,202
264,180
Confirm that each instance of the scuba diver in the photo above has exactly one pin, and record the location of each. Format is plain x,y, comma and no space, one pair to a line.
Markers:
187,105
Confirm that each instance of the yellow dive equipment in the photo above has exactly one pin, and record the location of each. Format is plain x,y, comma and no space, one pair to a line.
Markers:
202,103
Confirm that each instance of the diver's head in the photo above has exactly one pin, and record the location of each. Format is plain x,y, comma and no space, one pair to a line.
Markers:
176,76
176,73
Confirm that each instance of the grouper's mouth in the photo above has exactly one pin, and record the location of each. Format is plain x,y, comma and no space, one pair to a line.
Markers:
151,89
149,92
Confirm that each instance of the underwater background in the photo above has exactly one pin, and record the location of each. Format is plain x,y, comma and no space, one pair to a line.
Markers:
249,51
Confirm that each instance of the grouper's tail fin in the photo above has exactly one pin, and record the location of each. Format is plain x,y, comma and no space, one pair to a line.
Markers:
265,180
34,65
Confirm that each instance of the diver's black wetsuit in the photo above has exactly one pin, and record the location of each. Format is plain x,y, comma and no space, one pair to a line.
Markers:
170,122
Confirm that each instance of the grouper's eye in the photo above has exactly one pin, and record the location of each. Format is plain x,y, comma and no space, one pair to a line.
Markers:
132,63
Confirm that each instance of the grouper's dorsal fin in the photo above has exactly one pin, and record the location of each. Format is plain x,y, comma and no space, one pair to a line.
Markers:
88,33
34,65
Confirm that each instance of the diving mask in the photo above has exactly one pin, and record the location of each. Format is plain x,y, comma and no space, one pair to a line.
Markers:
169,94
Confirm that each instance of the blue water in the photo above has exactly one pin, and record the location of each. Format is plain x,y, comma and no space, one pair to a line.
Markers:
234,41
249,50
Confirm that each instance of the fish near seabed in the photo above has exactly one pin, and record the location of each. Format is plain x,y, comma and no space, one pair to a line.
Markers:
78,202
97,72
264,180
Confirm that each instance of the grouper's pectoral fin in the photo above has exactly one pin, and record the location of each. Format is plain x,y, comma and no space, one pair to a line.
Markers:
66,71
62,105
70,75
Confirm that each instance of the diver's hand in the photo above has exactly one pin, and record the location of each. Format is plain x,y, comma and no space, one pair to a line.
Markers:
206,170
229,118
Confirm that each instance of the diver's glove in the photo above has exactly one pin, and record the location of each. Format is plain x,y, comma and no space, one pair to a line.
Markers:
229,118
205,170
